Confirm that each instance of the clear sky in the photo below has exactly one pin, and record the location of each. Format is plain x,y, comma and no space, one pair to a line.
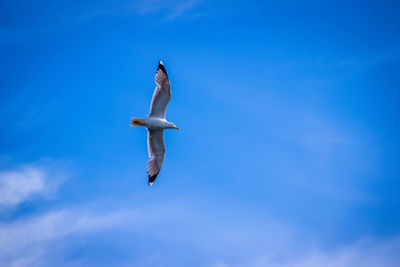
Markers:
288,153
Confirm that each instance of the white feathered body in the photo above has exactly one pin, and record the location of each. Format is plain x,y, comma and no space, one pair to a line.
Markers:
158,124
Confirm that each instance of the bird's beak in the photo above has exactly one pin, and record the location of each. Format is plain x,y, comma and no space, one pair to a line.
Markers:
177,128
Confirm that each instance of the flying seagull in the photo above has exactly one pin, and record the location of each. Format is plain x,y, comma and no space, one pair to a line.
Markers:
155,123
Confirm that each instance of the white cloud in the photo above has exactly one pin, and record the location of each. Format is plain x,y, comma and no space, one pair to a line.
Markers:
25,182
173,8
41,239
44,239
80,14
29,241
366,253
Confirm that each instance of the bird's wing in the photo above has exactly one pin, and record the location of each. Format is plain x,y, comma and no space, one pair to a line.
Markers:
156,147
162,93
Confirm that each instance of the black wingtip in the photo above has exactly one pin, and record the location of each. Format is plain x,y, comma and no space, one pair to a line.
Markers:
152,178
161,67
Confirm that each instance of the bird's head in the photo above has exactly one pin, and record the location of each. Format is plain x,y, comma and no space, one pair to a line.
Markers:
173,126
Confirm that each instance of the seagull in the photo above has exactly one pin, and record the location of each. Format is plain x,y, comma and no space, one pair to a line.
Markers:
155,123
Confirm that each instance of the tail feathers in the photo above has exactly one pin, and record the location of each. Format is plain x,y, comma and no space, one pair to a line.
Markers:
137,121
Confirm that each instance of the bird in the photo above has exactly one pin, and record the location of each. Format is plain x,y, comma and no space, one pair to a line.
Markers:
156,123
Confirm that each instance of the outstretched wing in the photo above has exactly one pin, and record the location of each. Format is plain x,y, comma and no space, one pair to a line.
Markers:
156,147
162,93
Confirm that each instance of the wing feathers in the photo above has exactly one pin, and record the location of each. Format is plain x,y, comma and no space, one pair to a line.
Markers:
156,147
162,93
162,68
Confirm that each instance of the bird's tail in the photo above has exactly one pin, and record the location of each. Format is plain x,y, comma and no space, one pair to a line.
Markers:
137,121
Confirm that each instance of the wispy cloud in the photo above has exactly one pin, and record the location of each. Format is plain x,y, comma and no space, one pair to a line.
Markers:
25,182
171,9
34,240
182,8
366,253
166,11
28,241
373,59
46,238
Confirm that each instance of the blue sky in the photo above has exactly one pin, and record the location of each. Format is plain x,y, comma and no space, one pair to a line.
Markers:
288,153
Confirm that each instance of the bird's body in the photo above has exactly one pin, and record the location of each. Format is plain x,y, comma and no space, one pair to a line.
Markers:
155,123
158,124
